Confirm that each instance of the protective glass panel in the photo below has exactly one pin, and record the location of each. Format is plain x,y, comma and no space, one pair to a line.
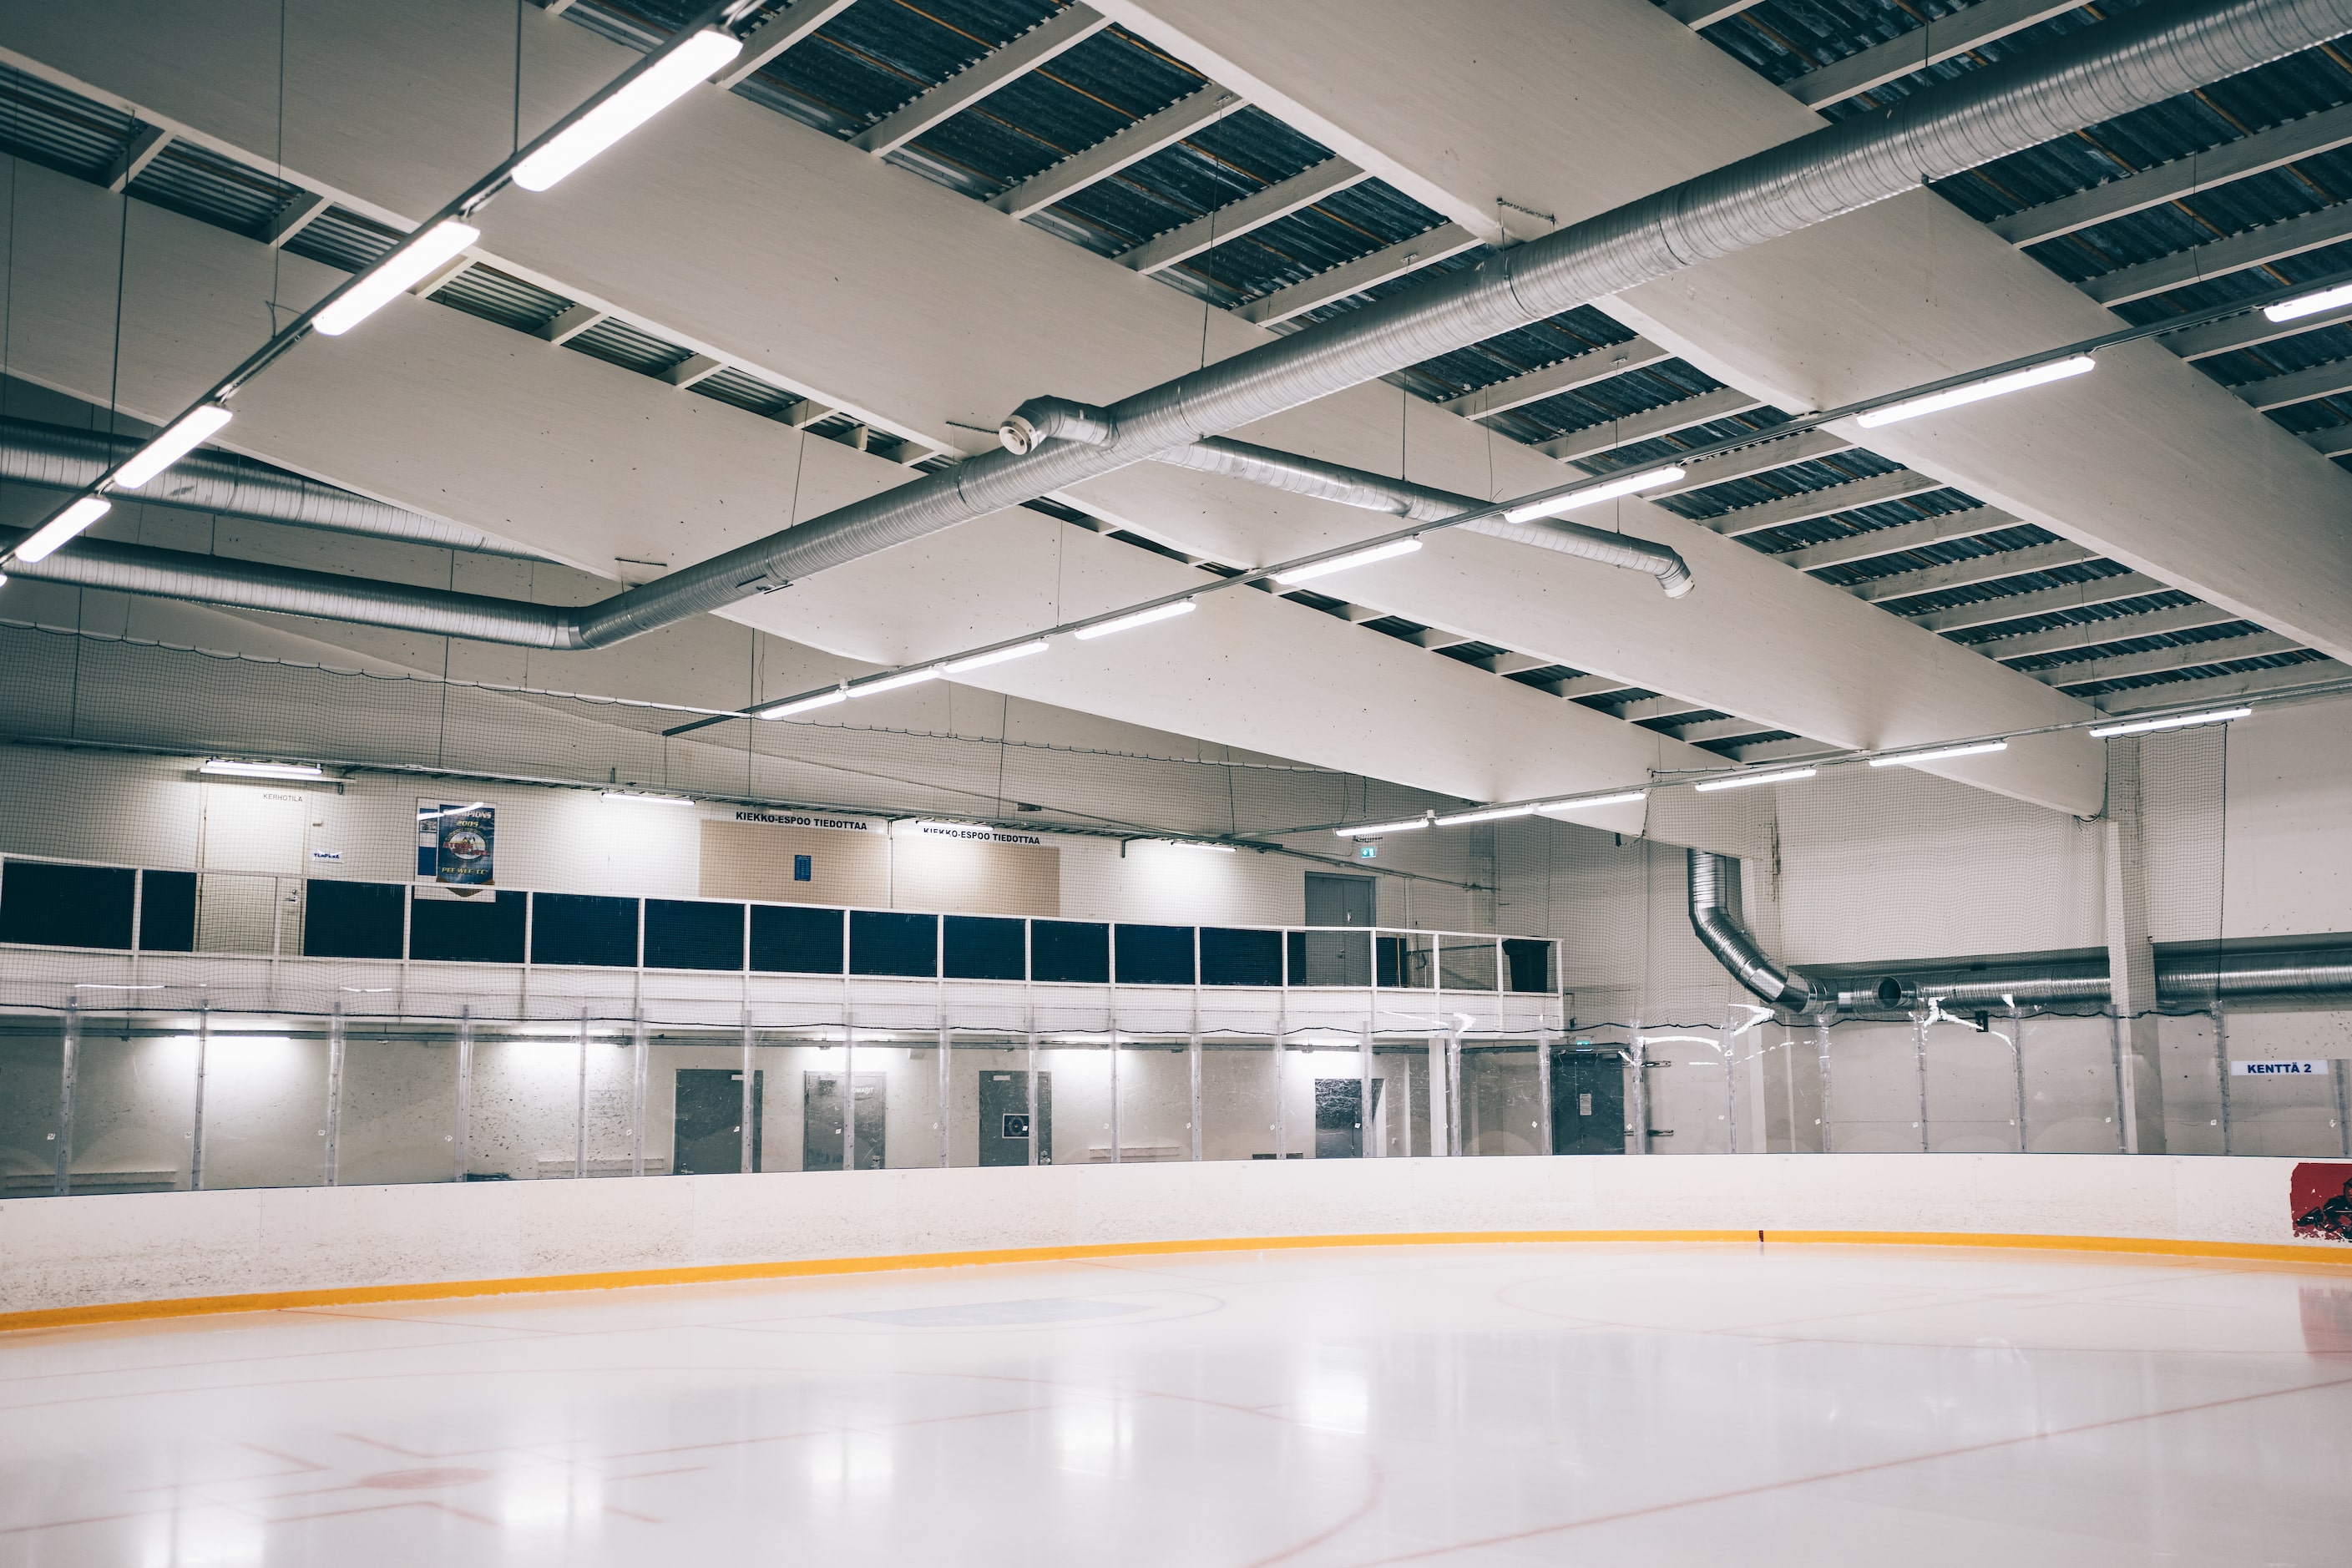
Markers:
134,1106
800,1077
1399,1112
1466,962
1240,1111
400,1103
2070,1087
32,1058
1971,1088
1688,1091
2289,1114
989,1114
1155,1100
1323,1099
907,1063
1078,1065
1589,1108
2188,1046
530,1090
265,1103
842,1092
1502,1104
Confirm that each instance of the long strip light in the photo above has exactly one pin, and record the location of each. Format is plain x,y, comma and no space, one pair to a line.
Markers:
2177,721
805,704
1196,844
2304,305
1140,618
192,429
905,678
1648,480
637,798
63,527
1746,781
659,86
982,660
1978,391
1492,813
1387,551
1622,797
1376,829
234,769
394,275
1941,754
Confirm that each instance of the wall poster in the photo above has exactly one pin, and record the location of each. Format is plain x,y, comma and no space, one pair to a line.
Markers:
456,843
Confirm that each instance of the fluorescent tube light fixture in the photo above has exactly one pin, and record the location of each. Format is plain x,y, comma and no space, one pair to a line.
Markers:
1941,754
1622,797
2304,305
982,660
1378,828
1492,813
234,769
659,86
1647,480
1195,844
1387,551
2177,721
805,704
1744,780
58,530
1140,618
637,798
194,429
401,269
896,682
1976,391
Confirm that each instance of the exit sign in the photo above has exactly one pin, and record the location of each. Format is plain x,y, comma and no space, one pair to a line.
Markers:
1368,851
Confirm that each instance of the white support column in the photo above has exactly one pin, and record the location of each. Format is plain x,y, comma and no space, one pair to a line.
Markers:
196,1131
1822,1047
638,1053
580,1107
1368,1146
461,1129
1919,1059
69,1079
2131,957
1545,1145
331,1163
2017,1062
1636,1059
747,1123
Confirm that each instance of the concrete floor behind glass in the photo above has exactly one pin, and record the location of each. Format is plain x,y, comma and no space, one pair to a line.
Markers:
1508,1404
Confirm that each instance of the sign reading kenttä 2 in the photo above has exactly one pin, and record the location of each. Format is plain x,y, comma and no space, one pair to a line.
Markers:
2279,1069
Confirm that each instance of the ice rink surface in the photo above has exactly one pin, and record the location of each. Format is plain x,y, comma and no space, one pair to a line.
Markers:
1659,1404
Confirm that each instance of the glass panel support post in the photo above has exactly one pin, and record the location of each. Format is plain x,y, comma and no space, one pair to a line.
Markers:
1114,1084
638,1053
848,1092
1919,1057
2221,1069
2126,1138
2343,1123
69,1077
2017,1063
946,1079
1543,1087
461,1129
1035,1131
1451,1046
1367,1147
196,1131
1727,1039
1821,1051
331,1157
1192,1063
1638,1057
746,1158
1281,1109
580,1108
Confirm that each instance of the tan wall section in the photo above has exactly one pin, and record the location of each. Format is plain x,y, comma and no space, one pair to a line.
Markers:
978,879
754,860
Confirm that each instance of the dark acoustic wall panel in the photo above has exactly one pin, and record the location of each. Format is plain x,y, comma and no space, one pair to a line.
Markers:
788,939
167,911
977,947
484,929
345,920
65,906
884,943
1526,963
690,934
1155,955
1239,957
576,928
1074,952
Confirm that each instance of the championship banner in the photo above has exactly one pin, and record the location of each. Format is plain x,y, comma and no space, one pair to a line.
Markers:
456,843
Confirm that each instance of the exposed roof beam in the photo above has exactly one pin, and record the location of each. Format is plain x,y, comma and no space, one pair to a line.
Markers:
302,209
1812,504
1132,145
1576,370
1364,272
571,322
1514,663
2040,602
2336,441
2113,629
692,369
146,144
2223,687
1977,569
2162,660
1697,14
1664,420
1795,749
2264,149
2272,242
1915,51
1430,637
2297,387
1749,461
1255,211
1707,730
2249,330
1902,536
779,33
1656,708
1066,29
1583,686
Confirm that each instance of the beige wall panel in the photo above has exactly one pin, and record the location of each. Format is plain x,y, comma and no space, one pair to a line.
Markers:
979,878
753,861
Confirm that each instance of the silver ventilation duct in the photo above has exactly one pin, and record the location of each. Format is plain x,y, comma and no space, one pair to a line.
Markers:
1716,917
56,456
2157,52
1377,492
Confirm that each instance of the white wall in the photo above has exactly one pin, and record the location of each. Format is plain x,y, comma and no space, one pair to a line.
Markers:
69,1252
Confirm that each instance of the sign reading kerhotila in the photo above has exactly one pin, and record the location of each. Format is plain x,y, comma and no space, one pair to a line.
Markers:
456,843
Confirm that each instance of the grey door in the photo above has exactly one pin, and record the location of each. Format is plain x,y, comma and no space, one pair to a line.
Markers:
1335,957
1339,1117
707,1127
820,1120
1587,1102
1006,1125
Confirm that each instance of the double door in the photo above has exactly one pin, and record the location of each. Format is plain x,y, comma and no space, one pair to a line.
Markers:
824,1124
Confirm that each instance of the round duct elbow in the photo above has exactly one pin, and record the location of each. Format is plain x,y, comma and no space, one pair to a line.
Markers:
1676,580
1044,419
